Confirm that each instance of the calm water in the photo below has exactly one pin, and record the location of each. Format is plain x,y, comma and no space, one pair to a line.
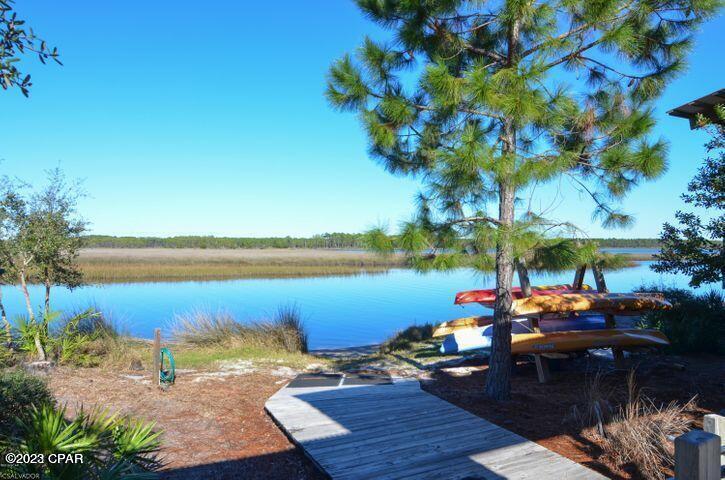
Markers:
338,311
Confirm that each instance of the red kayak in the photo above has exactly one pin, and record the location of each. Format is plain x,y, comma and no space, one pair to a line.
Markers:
488,297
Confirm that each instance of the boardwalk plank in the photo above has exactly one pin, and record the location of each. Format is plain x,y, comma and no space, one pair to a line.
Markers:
401,432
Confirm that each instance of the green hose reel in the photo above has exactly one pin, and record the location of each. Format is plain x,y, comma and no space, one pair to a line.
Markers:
167,372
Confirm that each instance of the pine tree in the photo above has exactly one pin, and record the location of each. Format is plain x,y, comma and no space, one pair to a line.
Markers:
16,40
692,248
483,101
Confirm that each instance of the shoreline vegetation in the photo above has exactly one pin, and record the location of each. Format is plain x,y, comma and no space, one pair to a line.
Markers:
112,265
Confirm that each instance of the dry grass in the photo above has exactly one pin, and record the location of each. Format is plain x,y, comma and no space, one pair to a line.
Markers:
639,432
405,339
148,264
284,332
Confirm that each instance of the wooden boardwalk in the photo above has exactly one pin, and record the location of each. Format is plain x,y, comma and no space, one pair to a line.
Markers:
398,431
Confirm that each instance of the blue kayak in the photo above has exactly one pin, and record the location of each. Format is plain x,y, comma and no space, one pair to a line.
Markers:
479,338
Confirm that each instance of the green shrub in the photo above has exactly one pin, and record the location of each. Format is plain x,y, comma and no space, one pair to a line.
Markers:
405,339
7,357
19,392
79,338
696,322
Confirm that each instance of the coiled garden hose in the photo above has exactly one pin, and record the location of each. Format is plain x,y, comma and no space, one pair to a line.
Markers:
168,369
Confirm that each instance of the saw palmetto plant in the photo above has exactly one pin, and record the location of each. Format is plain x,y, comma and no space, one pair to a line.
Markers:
112,447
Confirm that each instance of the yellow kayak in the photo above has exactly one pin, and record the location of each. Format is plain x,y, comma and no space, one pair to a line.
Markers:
572,341
618,303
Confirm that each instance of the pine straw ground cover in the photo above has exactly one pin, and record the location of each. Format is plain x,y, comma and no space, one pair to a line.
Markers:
213,422
555,414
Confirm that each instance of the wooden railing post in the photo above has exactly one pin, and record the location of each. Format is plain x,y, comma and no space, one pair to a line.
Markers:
714,423
156,376
697,456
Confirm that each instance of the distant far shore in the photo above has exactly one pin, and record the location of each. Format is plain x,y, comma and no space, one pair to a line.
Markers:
333,240
110,265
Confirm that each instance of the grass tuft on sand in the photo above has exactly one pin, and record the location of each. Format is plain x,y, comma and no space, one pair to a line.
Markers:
406,339
205,338
284,332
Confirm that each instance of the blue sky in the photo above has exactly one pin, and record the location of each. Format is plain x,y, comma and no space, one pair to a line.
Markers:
209,118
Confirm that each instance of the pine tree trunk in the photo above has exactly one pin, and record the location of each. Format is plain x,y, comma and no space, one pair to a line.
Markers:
498,380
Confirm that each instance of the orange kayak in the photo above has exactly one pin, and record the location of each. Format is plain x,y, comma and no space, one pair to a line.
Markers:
572,341
488,297
617,303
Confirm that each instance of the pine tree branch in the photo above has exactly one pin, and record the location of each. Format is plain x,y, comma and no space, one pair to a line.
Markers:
607,67
574,31
439,29
574,54
475,219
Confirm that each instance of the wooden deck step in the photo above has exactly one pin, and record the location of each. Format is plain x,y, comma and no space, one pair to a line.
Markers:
398,431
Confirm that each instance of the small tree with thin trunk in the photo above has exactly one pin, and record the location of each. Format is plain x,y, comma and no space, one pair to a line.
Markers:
483,101
17,248
58,234
40,235
697,248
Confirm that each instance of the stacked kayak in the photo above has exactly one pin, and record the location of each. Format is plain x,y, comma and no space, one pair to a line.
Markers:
476,338
488,297
556,318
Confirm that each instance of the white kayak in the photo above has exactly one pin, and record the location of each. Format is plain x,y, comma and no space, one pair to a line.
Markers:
479,338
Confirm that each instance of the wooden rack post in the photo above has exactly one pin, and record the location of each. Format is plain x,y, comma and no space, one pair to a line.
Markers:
157,356
542,363
610,321
578,282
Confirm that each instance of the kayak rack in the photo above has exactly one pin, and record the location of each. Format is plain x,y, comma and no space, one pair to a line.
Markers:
542,362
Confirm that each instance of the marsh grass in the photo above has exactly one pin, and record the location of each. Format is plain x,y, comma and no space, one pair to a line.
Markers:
284,332
110,272
115,265
109,265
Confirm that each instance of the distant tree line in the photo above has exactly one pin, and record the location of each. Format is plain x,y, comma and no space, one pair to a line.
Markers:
326,240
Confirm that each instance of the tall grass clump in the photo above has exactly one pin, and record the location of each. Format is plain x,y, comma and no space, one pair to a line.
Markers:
638,432
696,322
405,339
285,331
